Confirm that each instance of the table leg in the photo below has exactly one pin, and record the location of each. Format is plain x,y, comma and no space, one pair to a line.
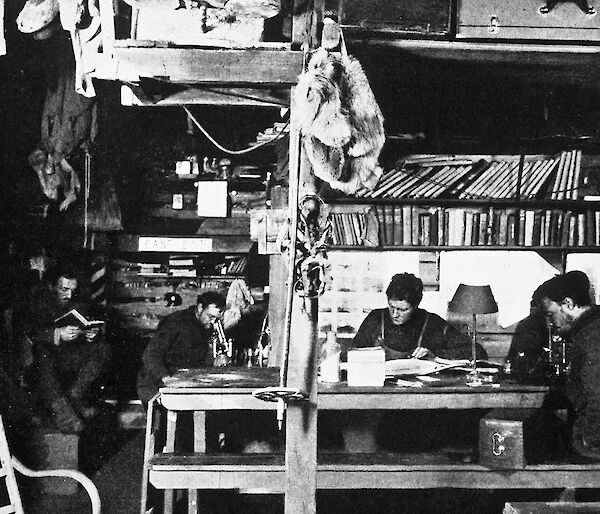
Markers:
171,426
169,495
170,448
199,431
192,501
148,450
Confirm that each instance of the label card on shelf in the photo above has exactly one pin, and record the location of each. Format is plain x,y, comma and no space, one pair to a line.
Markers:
212,198
175,244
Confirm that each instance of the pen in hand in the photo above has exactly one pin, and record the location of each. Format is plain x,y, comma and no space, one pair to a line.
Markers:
421,353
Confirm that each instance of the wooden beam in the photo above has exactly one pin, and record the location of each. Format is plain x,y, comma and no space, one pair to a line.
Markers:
107,23
367,471
276,98
206,66
301,417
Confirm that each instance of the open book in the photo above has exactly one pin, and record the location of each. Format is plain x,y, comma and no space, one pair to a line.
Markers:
75,318
399,367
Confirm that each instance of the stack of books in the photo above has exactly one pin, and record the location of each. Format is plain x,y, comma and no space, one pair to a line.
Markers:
236,265
182,266
150,269
347,228
482,177
567,176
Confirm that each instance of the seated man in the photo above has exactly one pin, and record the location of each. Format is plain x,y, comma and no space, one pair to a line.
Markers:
404,330
67,360
527,353
182,340
568,306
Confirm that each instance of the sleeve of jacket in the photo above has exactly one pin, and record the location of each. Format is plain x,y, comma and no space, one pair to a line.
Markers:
454,344
154,355
591,385
366,335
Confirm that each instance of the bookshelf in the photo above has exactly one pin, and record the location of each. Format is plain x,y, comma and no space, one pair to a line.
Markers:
469,202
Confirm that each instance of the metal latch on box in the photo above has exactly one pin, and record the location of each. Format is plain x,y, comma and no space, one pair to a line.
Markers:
498,447
494,25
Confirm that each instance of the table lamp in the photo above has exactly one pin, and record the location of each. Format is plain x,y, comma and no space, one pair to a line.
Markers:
473,300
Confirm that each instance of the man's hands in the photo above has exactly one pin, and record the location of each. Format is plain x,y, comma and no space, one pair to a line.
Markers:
168,380
422,353
91,334
69,333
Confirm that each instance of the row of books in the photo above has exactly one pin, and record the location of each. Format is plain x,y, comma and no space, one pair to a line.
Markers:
471,177
348,228
182,266
567,176
190,266
412,225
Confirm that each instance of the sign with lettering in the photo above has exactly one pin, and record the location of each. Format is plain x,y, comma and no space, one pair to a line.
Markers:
175,244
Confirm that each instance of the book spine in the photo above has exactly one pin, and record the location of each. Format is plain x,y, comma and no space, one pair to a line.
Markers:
407,213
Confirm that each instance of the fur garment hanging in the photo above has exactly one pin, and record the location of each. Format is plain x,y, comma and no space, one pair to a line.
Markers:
341,122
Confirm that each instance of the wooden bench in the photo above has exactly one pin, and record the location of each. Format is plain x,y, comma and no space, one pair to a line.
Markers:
550,507
260,473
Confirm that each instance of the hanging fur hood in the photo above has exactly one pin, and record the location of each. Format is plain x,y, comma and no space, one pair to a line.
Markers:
341,121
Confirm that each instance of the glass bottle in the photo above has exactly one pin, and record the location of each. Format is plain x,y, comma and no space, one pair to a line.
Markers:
330,359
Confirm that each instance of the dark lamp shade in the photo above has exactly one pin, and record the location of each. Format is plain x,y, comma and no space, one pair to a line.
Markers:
473,300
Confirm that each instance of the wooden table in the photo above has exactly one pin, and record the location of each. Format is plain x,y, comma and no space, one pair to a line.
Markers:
201,391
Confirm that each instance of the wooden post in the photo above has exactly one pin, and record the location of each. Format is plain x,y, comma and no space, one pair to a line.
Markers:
300,362
301,417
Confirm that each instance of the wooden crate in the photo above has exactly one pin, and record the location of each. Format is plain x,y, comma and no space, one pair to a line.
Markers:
499,19
501,443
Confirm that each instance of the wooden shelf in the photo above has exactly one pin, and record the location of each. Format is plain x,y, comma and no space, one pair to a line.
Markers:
453,202
243,67
266,473
522,52
439,248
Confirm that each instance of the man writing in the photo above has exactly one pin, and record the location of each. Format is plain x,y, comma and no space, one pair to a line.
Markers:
404,330
67,359
568,307
182,340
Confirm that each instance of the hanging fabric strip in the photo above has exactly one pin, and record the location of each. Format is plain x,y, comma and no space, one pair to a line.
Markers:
2,40
86,196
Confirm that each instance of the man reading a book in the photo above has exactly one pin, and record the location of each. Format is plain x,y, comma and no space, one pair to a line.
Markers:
69,355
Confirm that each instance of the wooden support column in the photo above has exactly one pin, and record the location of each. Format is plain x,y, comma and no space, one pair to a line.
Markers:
301,417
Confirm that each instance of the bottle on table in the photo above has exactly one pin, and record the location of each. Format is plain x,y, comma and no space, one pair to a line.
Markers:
330,359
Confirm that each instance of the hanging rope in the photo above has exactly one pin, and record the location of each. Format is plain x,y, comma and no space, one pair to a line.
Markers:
226,150
86,195
283,393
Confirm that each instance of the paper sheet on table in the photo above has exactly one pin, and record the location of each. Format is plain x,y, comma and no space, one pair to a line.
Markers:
413,367
512,275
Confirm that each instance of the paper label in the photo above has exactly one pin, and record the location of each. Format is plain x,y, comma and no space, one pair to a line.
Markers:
175,244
